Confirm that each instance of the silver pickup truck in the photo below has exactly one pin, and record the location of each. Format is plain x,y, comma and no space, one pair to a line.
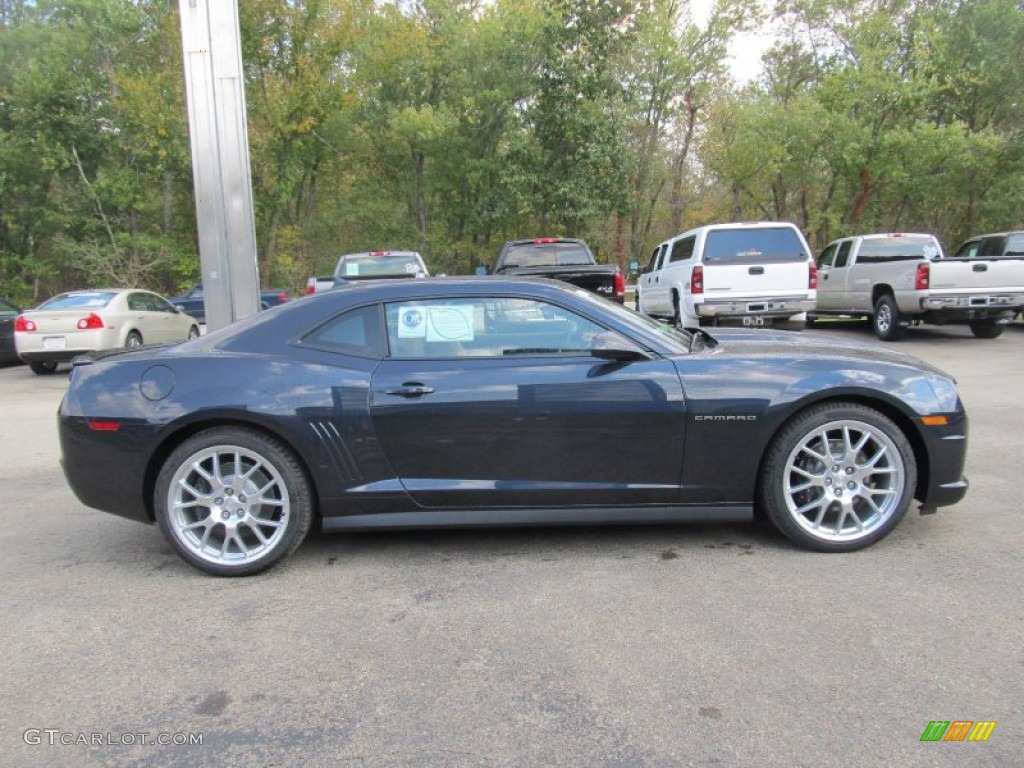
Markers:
899,280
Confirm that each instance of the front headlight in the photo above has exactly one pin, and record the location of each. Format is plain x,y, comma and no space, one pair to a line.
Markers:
945,393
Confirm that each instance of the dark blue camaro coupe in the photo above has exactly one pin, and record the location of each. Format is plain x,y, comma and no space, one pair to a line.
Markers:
489,401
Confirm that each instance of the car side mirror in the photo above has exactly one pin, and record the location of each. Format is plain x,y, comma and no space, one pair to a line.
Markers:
634,267
616,347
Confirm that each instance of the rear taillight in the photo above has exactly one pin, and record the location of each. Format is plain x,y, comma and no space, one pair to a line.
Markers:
697,280
620,283
24,325
91,323
310,288
921,280
282,297
812,277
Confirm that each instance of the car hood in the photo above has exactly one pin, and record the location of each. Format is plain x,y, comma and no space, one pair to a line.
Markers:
758,342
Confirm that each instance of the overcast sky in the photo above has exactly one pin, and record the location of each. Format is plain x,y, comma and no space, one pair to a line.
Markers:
745,50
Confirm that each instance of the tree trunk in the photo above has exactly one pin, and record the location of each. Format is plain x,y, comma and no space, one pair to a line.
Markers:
168,201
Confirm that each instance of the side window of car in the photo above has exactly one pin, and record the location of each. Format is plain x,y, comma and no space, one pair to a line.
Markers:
652,265
992,246
160,304
682,249
357,332
138,302
486,327
969,249
843,255
827,256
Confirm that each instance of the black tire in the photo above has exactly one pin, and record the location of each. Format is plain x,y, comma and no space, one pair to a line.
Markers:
133,340
193,332
810,320
676,315
43,368
986,329
226,530
856,497
886,321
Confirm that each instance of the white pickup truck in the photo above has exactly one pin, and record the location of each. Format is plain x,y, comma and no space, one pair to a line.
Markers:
753,273
900,279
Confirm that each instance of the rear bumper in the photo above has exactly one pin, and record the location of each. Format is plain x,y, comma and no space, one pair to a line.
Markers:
782,306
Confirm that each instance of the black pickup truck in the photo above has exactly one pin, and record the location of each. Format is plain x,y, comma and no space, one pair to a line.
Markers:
561,258
191,303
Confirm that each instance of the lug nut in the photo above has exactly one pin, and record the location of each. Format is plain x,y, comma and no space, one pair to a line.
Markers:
851,485
849,470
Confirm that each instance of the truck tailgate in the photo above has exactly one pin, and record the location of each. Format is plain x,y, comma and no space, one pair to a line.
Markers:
1004,274
741,281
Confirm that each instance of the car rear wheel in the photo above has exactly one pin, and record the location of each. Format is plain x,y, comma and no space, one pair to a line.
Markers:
886,319
193,333
133,340
838,478
233,501
986,329
43,368
676,316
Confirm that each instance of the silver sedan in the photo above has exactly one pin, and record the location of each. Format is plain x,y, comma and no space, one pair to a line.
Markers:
80,322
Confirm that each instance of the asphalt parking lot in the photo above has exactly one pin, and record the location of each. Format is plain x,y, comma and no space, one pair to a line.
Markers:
700,645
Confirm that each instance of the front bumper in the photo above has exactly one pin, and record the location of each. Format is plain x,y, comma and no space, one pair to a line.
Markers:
947,453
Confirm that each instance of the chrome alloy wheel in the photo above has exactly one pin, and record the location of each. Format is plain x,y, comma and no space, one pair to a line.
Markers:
883,318
843,480
228,505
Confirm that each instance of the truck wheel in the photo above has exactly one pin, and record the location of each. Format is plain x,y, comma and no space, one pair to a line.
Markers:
986,329
676,317
886,320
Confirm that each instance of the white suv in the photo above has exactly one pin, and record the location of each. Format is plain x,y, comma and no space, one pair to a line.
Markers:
752,272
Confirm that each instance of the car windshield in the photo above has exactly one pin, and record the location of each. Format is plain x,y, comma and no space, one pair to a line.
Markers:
899,248
383,265
82,300
669,334
1015,244
753,246
546,255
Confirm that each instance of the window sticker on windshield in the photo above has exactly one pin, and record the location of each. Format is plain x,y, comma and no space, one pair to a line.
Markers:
412,322
352,268
450,323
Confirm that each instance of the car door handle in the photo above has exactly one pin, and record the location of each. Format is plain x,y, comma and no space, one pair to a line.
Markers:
411,389
756,270
980,267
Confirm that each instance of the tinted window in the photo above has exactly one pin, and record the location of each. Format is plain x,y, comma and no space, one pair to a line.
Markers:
357,333
546,255
844,253
486,327
369,266
753,246
880,249
682,249
1015,245
139,302
827,256
992,246
653,263
6,308
969,249
89,299
160,304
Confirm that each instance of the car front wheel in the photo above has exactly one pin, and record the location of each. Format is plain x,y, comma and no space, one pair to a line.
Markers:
233,501
838,478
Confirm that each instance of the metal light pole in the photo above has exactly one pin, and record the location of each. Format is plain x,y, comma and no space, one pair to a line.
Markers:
215,92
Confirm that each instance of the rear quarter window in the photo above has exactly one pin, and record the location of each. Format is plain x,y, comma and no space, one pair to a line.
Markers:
753,246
